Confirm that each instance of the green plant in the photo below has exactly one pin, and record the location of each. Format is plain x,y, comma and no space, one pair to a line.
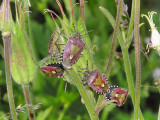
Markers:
55,102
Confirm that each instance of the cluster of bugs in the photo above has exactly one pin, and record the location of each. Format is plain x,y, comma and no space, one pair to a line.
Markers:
98,82
71,52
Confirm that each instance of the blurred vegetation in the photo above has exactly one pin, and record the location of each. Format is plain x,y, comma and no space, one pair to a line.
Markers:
56,103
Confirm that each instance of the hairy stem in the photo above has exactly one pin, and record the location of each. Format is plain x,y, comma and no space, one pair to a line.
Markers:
137,58
85,96
7,41
111,57
28,101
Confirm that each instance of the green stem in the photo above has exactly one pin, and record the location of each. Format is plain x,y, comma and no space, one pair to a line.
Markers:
130,29
137,58
7,41
128,72
129,76
85,96
111,57
28,101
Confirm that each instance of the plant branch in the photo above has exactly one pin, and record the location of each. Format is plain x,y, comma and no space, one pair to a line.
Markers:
111,57
137,58
28,101
7,44
85,96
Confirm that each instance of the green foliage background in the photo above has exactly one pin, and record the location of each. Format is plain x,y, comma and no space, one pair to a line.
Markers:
56,103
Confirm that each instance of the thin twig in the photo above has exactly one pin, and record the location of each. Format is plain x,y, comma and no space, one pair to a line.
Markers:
111,57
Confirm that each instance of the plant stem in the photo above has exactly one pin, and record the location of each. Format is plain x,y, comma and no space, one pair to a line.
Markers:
129,76
85,96
128,72
28,101
130,29
111,57
137,58
82,10
7,44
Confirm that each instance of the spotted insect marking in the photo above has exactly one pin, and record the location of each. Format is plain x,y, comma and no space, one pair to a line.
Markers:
53,69
96,81
117,94
72,50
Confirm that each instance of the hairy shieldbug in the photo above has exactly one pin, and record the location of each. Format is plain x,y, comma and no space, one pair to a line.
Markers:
55,41
118,94
53,69
72,50
96,81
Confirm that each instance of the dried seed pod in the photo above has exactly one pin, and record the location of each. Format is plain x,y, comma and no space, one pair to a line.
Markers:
96,81
53,69
118,94
72,50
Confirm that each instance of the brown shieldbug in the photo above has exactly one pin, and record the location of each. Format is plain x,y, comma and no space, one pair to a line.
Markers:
72,50
118,94
96,81
55,41
53,69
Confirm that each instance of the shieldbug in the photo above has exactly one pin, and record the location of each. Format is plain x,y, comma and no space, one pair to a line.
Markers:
72,50
118,94
55,41
53,69
96,81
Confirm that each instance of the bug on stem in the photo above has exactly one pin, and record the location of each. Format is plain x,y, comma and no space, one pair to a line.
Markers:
96,81
118,94
72,50
53,69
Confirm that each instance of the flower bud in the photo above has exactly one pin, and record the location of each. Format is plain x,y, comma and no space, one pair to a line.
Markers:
23,65
5,17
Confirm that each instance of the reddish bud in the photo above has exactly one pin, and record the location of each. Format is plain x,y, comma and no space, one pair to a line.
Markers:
5,17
